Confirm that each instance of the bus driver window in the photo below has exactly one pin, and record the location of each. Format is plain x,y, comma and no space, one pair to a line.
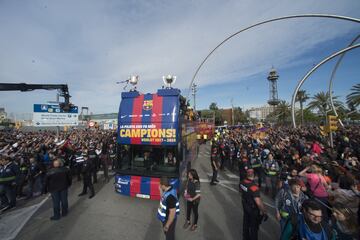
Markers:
170,159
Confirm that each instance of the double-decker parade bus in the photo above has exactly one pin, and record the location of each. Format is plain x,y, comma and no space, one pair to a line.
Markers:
156,138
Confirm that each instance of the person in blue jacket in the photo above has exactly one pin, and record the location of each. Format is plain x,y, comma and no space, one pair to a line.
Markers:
168,208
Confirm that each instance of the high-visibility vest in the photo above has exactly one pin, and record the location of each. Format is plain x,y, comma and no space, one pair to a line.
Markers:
7,174
161,215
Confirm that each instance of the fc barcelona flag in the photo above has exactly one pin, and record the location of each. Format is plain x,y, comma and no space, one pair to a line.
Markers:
149,119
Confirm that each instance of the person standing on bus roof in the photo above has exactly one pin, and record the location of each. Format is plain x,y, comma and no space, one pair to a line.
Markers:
169,208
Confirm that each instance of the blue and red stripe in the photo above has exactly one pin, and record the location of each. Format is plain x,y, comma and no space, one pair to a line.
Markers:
156,118
136,118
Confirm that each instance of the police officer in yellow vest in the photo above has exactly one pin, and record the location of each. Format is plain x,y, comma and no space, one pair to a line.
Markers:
168,209
271,170
256,164
8,173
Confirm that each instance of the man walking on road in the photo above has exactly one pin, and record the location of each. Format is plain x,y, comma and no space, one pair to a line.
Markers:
57,182
214,165
253,207
168,209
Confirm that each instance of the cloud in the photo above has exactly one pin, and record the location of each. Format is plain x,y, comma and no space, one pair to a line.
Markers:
90,46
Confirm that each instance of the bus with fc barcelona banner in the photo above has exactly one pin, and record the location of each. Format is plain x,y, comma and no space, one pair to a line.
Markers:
156,137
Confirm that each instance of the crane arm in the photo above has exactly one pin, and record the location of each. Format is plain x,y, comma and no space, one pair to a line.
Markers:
24,87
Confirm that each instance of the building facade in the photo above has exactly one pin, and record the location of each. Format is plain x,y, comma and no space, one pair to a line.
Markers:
260,113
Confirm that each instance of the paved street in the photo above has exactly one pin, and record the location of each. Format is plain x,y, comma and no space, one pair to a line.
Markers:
112,216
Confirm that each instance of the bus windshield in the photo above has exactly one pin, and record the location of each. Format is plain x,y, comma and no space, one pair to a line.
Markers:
148,160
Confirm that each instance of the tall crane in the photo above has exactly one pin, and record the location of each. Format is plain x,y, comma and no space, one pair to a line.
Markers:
23,87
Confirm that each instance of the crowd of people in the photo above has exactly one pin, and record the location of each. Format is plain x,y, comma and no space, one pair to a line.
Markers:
315,186
27,159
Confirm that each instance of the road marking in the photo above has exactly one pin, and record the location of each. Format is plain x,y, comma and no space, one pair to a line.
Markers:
235,190
12,222
231,175
203,180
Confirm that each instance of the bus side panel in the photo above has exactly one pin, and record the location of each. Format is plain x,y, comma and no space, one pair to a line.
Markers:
122,184
145,185
154,188
135,185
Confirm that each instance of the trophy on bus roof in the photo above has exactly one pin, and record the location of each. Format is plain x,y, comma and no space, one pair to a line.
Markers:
133,80
168,80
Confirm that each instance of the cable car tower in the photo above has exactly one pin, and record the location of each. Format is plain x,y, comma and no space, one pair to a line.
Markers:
272,78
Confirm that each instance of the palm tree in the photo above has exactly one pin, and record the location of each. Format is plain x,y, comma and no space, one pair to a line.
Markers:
321,102
282,111
301,97
353,99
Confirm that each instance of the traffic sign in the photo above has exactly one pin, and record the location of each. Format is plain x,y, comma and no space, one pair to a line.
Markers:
49,115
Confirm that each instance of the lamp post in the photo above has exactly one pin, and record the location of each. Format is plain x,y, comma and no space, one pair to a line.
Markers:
194,90
310,72
338,17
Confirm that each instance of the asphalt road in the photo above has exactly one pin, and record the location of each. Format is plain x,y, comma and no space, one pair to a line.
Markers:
112,216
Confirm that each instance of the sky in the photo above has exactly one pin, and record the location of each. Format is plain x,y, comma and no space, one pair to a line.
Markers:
90,45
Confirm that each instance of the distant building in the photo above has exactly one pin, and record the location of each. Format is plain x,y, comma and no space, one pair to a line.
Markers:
260,113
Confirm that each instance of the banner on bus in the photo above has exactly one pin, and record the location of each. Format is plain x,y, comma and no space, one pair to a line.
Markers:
151,134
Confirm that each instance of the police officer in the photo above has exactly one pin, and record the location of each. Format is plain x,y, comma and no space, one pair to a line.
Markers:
168,209
253,207
79,159
86,174
271,170
23,174
94,160
244,165
8,174
256,164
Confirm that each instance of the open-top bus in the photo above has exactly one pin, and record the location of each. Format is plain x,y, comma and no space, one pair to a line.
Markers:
155,138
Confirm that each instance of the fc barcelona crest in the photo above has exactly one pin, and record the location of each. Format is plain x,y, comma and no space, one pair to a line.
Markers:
148,104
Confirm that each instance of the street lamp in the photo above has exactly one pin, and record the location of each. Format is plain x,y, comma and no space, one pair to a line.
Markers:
194,90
